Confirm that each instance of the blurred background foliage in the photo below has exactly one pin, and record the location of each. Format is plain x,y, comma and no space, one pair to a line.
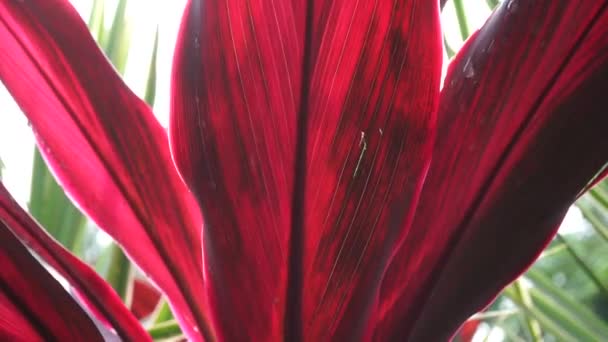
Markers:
563,297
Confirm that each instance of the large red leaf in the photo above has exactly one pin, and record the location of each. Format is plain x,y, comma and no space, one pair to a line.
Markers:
234,98
97,292
105,147
372,103
33,305
14,324
521,131
367,98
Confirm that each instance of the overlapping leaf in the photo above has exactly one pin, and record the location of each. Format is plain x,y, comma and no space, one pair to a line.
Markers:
349,90
520,109
123,177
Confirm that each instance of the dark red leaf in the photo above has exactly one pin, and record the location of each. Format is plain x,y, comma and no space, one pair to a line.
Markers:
234,98
98,294
468,330
105,146
372,93
373,97
145,298
14,324
522,124
33,305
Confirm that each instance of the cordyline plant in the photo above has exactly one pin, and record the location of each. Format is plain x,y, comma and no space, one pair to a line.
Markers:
343,195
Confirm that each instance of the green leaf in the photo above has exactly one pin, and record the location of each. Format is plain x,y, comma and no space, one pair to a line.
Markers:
555,328
118,39
448,49
492,3
588,209
96,20
462,19
52,208
151,83
165,330
116,268
591,274
564,310
600,195
534,330
164,313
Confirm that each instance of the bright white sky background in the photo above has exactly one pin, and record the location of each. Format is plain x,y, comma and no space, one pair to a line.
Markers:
16,141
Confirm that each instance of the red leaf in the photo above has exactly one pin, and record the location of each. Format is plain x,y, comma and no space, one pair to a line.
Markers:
372,92
14,324
105,147
33,305
468,330
234,96
145,298
373,97
521,131
99,295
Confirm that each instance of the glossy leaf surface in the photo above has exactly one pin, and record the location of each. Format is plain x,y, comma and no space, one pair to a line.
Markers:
354,86
123,177
33,305
91,287
521,109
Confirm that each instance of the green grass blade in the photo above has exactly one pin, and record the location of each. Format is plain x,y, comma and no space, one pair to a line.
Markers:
533,327
448,49
96,19
52,208
165,330
462,19
116,268
589,212
590,273
118,38
164,313
150,95
492,3
564,307
600,195
555,328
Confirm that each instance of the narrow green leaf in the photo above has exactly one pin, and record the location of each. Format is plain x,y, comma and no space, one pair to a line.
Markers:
116,268
555,328
554,250
119,38
462,19
448,49
600,195
52,208
164,313
1,168
587,209
583,265
165,330
96,19
494,314
564,307
492,3
151,83
534,330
